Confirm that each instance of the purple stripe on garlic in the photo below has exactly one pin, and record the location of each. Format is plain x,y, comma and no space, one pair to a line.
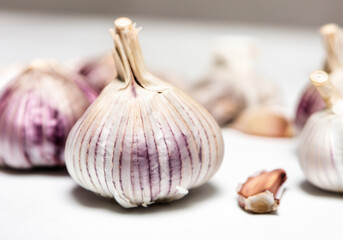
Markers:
142,140
38,107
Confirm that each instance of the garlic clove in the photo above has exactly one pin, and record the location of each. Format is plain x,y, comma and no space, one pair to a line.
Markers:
261,193
264,121
143,140
38,107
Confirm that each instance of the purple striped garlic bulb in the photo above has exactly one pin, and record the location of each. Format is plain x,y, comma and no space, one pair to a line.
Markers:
38,107
321,151
143,140
98,72
311,101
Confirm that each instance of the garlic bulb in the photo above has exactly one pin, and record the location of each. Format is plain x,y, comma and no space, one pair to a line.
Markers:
234,82
311,101
320,151
142,140
98,72
38,107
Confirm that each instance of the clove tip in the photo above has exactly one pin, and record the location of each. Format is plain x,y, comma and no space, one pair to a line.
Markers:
319,78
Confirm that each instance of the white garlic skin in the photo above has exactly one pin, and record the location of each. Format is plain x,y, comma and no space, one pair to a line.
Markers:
321,150
141,146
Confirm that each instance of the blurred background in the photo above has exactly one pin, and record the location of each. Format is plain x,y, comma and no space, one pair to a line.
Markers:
304,12
176,35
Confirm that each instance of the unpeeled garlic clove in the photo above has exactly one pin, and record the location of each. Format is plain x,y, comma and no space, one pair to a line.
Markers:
38,107
264,121
142,140
261,193
320,146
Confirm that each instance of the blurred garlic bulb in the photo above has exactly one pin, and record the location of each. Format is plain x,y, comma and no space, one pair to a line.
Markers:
233,82
311,101
98,72
142,140
321,151
37,109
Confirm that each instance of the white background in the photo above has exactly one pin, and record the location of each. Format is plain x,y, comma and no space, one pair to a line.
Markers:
49,205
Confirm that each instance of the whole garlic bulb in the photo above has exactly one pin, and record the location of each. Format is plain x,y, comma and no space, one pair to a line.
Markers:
234,82
321,151
142,140
311,101
38,107
98,72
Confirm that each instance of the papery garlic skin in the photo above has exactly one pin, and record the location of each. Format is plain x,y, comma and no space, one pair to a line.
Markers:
38,107
142,140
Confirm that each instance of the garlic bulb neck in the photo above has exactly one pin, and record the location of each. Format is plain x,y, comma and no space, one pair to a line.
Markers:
328,91
332,36
128,57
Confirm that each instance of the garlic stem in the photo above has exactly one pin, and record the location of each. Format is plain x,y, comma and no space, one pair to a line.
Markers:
332,34
129,58
327,90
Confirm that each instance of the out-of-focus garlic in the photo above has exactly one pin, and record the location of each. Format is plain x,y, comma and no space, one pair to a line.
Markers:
233,82
38,107
98,72
261,193
311,101
321,151
267,121
142,140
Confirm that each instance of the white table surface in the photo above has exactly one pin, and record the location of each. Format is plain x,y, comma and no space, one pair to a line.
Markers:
49,205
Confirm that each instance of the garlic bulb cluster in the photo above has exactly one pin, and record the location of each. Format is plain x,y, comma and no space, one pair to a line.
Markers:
142,140
321,151
98,72
38,107
233,83
311,101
